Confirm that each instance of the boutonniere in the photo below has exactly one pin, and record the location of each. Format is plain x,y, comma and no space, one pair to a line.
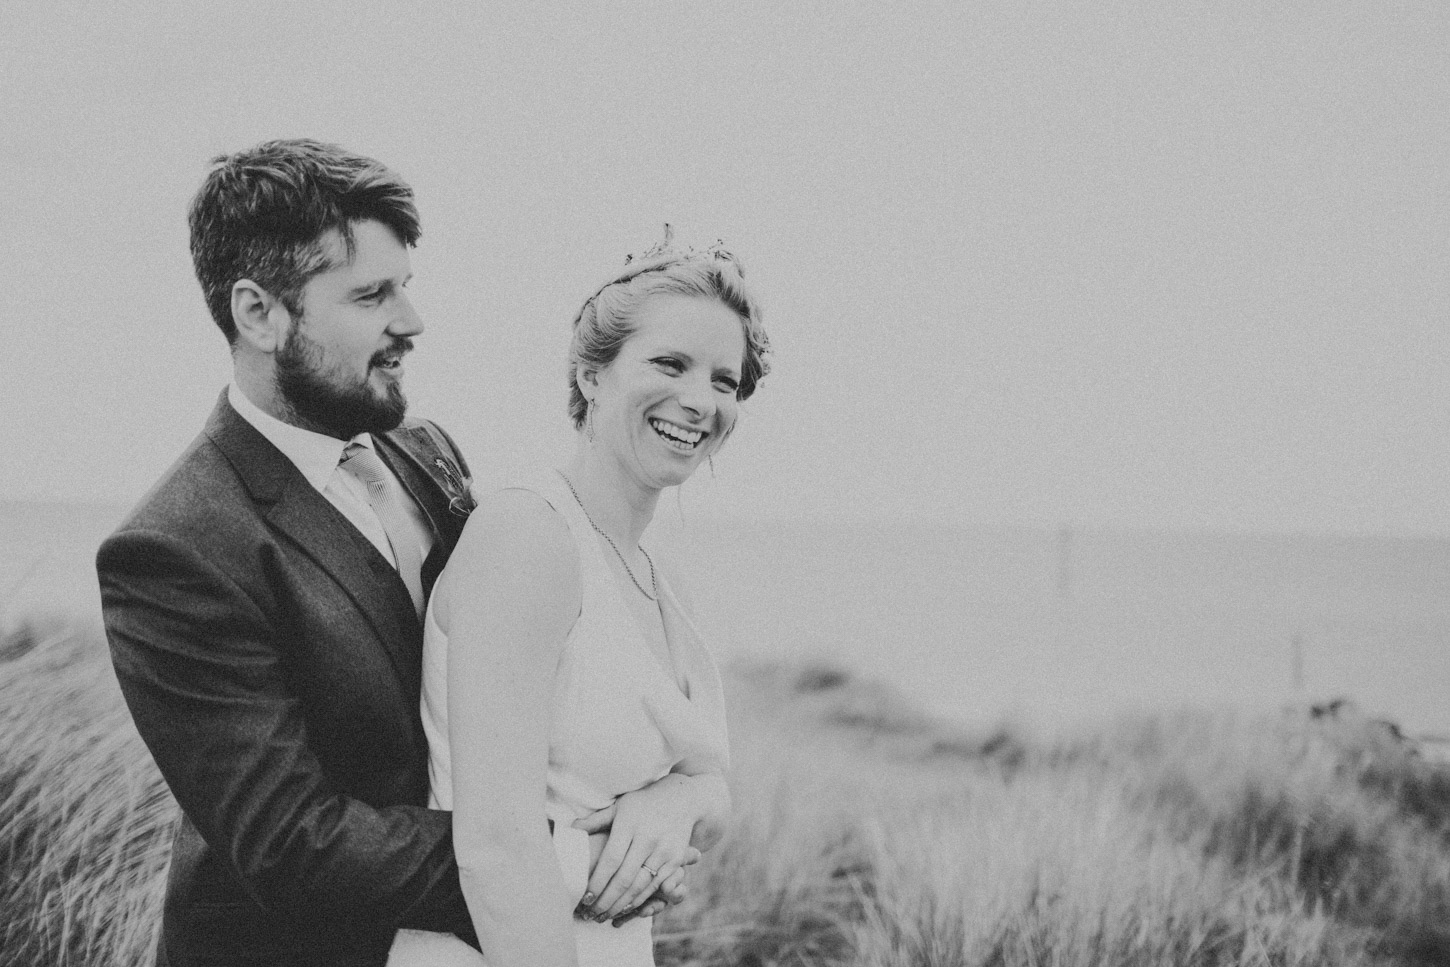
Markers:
458,487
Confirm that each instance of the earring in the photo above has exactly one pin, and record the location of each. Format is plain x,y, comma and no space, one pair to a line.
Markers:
589,423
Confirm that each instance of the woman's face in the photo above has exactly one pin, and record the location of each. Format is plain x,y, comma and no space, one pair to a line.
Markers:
669,398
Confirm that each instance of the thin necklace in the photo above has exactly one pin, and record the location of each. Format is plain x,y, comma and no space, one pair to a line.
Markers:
598,530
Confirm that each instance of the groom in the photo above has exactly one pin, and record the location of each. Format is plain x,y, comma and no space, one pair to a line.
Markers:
263,602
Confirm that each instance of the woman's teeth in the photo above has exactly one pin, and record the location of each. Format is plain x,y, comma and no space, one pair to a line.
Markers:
677,436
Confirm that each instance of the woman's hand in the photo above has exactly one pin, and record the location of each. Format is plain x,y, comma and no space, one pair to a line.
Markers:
670,893
649,843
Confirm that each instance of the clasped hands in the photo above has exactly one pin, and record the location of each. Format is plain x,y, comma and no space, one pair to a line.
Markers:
640,868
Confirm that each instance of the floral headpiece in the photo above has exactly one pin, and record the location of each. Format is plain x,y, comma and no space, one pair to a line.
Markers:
662,255
667,250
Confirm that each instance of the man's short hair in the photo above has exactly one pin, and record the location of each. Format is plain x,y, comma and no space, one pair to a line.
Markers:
261,214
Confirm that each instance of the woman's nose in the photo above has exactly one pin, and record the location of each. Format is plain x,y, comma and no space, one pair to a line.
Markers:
698,397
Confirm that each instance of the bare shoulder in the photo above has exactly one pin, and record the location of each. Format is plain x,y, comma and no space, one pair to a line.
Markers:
514,544
515,512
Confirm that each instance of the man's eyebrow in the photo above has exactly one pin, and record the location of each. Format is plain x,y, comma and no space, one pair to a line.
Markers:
379,286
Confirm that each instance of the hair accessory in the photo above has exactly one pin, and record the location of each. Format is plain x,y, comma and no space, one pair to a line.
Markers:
667,251
662,255
658,250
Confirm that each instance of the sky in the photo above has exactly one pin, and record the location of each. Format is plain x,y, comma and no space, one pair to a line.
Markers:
1177,265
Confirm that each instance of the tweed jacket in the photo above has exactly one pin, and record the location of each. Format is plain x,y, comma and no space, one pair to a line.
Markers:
270,657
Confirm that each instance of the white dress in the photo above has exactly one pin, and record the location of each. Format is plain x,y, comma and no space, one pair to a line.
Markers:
621,720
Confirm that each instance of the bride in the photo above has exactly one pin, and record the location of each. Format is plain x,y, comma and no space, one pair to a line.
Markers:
575,719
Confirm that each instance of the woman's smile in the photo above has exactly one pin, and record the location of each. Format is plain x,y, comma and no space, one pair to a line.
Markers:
677,437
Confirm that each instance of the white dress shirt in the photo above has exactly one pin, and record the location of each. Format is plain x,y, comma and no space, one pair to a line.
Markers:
316,456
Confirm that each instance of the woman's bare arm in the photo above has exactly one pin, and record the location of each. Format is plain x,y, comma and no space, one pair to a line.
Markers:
507,602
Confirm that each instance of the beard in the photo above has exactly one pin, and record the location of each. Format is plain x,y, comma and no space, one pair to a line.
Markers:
323,400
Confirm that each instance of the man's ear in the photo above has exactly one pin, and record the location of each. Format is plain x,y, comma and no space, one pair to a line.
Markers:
261,319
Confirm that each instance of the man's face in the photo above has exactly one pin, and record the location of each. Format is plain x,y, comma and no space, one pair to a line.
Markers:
339,370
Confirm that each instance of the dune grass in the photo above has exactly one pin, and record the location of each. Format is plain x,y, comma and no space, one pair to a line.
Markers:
864,833
85,819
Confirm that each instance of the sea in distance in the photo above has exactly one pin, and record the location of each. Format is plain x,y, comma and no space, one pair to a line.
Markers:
1037,628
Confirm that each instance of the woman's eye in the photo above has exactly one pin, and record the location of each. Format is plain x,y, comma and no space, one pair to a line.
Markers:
729,382
666,362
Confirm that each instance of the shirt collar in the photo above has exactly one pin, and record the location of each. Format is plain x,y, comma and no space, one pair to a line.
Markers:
315,455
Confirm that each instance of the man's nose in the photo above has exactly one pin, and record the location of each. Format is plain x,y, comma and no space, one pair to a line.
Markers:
406,322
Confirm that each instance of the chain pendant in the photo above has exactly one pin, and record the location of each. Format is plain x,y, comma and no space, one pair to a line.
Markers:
615,547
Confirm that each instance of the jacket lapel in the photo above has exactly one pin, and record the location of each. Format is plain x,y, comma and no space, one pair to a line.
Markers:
413,456
335,544
295,508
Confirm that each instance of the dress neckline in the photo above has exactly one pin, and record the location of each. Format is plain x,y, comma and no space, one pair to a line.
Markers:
671,670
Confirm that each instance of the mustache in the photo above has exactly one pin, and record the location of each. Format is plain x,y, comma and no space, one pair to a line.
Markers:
398,347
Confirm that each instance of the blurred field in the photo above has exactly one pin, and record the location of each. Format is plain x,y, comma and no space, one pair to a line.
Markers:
981,623
865,832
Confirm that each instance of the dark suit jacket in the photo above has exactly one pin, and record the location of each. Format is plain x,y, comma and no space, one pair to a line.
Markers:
270,657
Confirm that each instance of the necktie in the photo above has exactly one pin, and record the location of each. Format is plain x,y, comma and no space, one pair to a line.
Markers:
383,496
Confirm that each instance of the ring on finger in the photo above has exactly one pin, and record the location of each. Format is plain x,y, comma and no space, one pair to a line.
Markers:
652,873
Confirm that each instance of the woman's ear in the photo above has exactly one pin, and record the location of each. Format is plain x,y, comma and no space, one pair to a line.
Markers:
587,380
262,321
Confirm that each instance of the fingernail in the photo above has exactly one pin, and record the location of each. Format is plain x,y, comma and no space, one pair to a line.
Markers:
588,899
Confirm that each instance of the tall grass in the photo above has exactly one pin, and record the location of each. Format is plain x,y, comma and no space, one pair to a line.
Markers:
864,833
84,816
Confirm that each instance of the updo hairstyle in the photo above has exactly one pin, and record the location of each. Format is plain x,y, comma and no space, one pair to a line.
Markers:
607,318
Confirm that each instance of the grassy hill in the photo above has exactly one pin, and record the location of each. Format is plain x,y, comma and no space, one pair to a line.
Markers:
864,833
